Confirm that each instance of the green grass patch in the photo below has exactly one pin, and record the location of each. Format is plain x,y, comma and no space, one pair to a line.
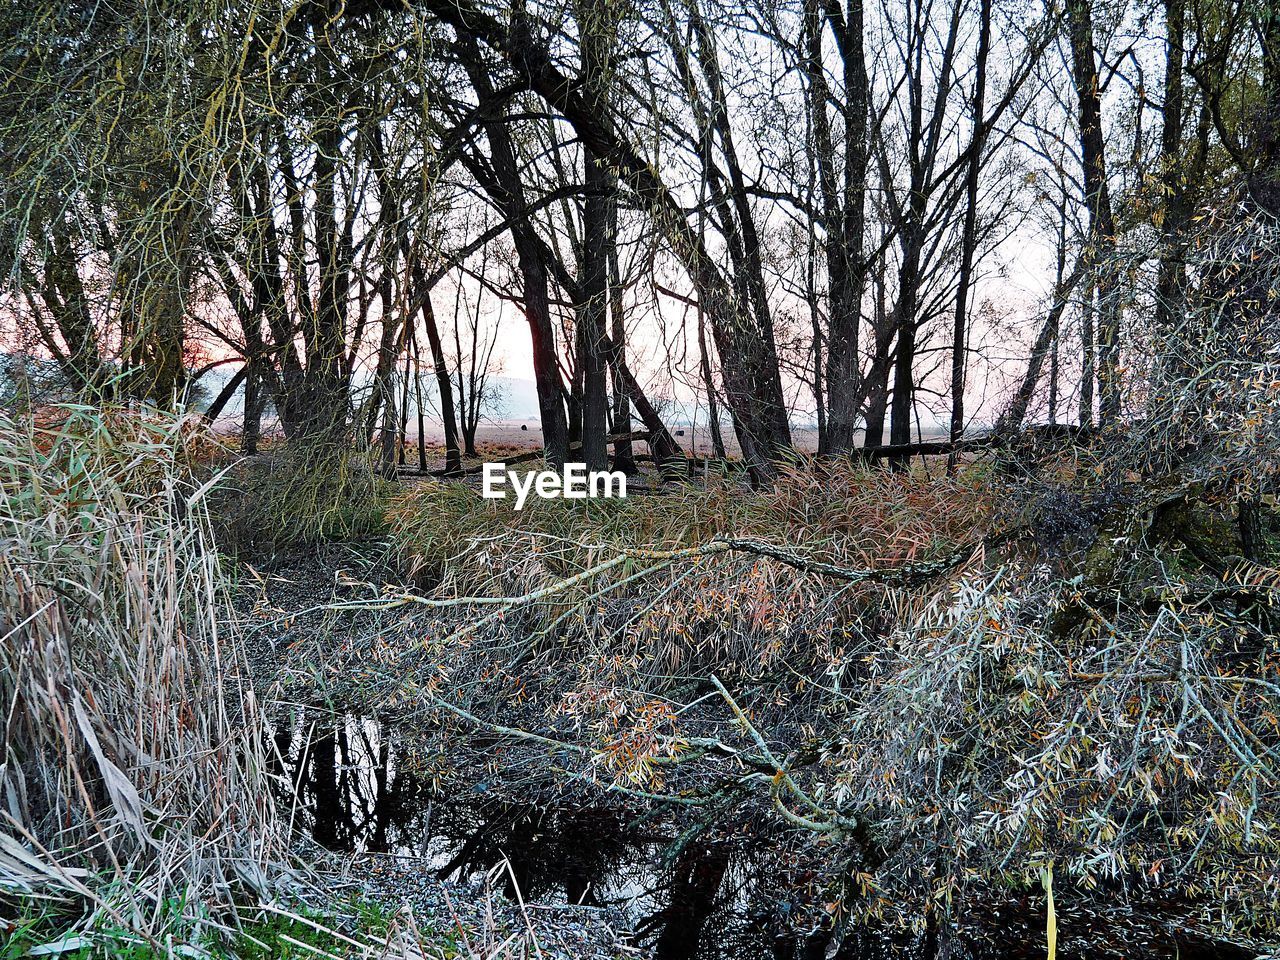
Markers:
180,931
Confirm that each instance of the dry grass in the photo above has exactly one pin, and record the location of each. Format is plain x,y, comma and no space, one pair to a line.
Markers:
138,813
845,514
293,497
732,612
132,772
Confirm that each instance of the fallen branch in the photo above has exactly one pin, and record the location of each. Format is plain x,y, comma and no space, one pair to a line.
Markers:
906,574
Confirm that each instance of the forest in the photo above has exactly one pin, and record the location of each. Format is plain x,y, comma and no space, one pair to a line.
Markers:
887,399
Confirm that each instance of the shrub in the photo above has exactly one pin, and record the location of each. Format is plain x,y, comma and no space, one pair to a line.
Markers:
296,496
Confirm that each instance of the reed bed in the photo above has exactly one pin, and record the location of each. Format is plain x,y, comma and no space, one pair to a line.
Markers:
134,786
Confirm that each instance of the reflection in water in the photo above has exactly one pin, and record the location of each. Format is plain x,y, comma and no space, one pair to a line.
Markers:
708,901
344,779
696,880
705,903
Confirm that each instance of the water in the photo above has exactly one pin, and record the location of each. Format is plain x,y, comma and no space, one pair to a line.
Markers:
684,901
707,901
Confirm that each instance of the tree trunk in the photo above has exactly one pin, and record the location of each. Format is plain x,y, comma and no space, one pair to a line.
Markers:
623,455
708,382
404,394
383,402
419,289
324,403
1170,295
1088,361
666,452
448,416
64,296
533,272
422,417
595,33
844,212
1264,178
1013,418
969,234
906,322
1102,227
254,400
876,386
1249,523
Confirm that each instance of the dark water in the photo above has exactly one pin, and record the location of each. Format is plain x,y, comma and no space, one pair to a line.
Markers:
683,901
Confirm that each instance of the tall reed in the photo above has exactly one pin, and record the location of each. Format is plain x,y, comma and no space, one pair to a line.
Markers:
133,772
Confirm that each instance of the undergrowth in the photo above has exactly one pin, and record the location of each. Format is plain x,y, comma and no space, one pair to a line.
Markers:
1093,702
299,497
1002,719
739,612
844,513
132,771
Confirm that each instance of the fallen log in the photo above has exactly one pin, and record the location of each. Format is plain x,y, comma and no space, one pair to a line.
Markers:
536,454
996,440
